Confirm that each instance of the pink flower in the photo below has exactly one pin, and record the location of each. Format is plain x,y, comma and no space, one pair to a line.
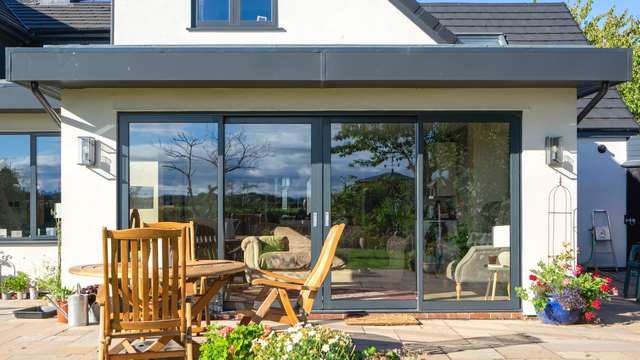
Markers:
579,269
566,282
608,280
539,283
605,288
597,304
533,277
225,331
589,316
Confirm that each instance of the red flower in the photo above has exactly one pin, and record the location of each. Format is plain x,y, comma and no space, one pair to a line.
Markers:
579,269
533,277
605,288
597,304
539,283
225,331
608,280
267,330
596,275
589,316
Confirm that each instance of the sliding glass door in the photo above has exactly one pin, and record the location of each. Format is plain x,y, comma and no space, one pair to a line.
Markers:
430,200
370,185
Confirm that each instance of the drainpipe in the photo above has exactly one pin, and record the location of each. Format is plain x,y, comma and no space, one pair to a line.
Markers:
35,89
604,89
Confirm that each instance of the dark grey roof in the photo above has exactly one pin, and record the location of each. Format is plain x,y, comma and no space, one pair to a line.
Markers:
92,19
521,23
16,98
535,24
611,113
11,27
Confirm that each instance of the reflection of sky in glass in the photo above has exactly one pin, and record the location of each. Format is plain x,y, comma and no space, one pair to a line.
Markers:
14,154
155,141
285,159
214,9
252,9
344,171
48,160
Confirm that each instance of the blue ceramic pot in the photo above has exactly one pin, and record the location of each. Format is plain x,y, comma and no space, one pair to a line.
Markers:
554,314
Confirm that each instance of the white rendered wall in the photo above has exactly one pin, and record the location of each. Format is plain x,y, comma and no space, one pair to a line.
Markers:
303,22
90,198
602,186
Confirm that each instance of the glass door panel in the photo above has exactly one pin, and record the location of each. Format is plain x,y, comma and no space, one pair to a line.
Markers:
467,211
270,196
372,190
173,176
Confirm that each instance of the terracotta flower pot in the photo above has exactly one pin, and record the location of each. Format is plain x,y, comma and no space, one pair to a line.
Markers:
60,316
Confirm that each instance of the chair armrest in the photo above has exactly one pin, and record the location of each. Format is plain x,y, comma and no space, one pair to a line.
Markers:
278,284
281,277
251,247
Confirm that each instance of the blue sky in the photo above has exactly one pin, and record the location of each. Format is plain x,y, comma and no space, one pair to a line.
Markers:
599,6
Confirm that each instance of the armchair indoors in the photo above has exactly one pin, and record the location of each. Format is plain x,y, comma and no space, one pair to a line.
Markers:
284,251
472,268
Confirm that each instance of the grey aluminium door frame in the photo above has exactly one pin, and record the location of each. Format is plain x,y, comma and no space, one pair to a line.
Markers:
321,122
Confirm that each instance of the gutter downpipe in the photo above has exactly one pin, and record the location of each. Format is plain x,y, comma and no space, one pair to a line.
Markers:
604,89
35,89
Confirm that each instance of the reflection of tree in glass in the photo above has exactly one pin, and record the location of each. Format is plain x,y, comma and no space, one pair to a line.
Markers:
379,209
186,149
13,200
384,143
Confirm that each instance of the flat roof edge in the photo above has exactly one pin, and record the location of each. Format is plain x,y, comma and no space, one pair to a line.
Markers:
340,65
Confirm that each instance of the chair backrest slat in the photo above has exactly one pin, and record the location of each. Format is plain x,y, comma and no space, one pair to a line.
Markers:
190,231
323,265
132,277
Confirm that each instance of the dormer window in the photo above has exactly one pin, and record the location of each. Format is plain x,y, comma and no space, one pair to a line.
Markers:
235,14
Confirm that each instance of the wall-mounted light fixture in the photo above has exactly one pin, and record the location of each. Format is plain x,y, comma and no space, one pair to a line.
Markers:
86,151
553,147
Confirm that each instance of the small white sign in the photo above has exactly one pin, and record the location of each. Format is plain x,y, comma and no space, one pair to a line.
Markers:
3,233
16,233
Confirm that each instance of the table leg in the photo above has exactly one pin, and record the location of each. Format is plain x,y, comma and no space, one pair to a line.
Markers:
205,298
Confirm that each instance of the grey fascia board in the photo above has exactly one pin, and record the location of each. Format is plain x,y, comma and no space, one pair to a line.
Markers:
425,21
15,98
318,66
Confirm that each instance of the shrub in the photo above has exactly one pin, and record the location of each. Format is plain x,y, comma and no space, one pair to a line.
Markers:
306,342
18,283
227,343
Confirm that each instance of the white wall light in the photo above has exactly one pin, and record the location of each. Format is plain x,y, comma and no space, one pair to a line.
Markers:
86,151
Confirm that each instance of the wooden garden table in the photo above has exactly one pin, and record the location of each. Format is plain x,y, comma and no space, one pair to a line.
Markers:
220,270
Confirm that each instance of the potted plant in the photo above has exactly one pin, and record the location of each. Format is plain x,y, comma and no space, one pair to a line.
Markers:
564,294
4,288
61,296
19,284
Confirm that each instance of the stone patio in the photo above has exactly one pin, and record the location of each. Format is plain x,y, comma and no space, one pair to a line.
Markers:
617,337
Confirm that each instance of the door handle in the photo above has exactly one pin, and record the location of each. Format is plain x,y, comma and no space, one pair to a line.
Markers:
630,220
327,220
314,219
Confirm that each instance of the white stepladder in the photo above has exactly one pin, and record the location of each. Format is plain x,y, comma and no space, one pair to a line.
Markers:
601,237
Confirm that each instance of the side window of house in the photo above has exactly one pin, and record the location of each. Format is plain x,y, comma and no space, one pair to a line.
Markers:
29,185
235,13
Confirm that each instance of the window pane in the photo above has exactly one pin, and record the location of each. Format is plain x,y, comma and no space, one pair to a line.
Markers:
15,184
48,175
173,176
213,10
267,197
255,10
373,193
467,211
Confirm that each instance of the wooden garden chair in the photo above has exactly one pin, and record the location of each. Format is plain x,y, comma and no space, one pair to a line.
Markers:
192,288
145,295
277,286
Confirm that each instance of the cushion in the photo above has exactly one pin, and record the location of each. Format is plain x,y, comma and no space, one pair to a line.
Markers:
285,260
273,244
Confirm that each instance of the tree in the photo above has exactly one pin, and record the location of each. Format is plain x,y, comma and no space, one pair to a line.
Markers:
610,30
